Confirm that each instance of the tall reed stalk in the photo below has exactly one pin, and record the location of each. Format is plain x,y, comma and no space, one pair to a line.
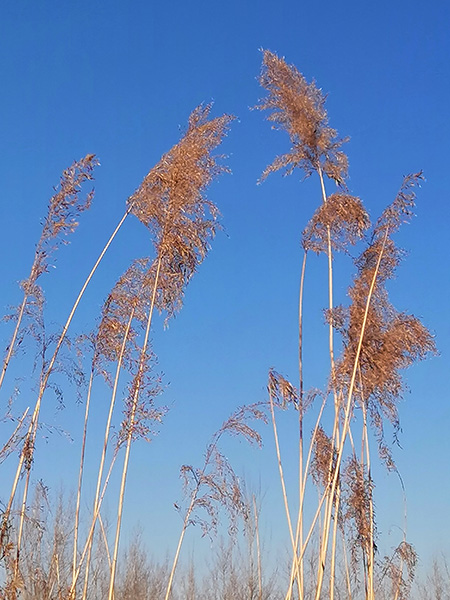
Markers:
215,485
63,210
27,453
107,430
377,341
171,202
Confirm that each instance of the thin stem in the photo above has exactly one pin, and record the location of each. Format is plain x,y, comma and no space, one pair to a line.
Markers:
334,543
105,539
30,437
72,590
13,339
130,431
348,413
300,328
10,443
347,570
258,549
370,556
330,285
106,437
299,530
23,509
280,469
80,476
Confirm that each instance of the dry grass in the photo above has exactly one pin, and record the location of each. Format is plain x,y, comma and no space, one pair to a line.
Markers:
232,571
54,551
377,341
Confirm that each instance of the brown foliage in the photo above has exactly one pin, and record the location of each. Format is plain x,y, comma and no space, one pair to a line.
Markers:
63,209
323,458
401,210
392,340
298,107
357,499
171,202
140,412
216,485
282,392
342,217
400,570
125,297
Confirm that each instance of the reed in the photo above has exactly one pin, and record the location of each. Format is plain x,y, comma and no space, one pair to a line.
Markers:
215,485
60,551
172,204
377,341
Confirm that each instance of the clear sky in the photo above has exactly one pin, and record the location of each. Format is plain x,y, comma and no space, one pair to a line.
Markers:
119,79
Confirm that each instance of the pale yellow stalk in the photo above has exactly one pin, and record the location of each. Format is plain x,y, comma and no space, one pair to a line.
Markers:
347,416
31,433
72,590
80,476
130,432
13,339
258,549
106,440
299,529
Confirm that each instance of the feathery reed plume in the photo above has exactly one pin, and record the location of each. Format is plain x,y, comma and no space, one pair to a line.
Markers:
298,108
323,458
63,210
392,340
357,509
115,338
343,217
400,570
216,485
172,203
378,341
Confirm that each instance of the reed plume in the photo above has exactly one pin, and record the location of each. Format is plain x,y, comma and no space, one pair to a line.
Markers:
392,340
298,107
378,342
215,485
172,203
64,208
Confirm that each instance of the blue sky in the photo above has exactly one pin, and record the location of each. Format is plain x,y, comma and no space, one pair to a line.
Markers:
119,79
